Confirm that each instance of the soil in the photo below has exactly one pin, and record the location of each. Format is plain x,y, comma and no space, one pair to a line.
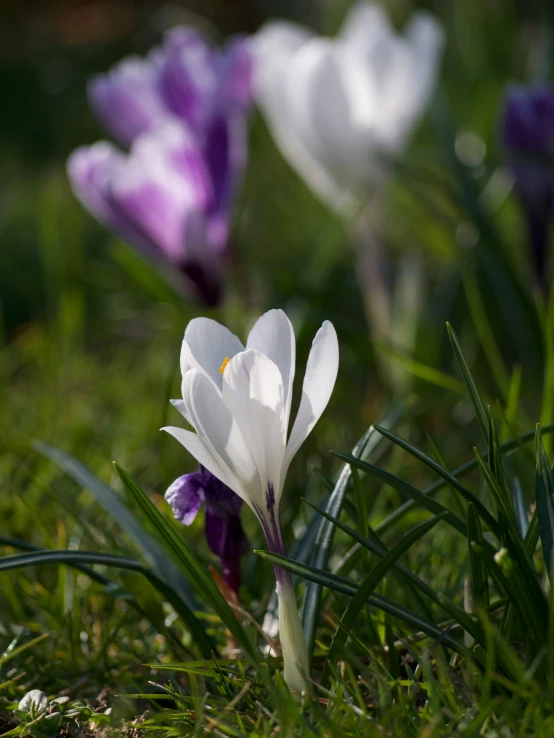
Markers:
7,722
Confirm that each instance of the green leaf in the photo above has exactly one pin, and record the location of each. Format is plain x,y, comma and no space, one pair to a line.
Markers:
197,574
76,559
112,504
478,580
366,590
470,384
449,478
544,489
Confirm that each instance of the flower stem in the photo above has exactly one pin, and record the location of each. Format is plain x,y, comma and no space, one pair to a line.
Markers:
293,640
296,669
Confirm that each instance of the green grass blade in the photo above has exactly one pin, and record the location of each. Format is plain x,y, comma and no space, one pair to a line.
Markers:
523,569
404,488
349,588
544,489
426,373
77,559
462,470
311,603
478,580
366,590
112,504
547,407
486,334
512,581
449,478
470,384
196,572
378,550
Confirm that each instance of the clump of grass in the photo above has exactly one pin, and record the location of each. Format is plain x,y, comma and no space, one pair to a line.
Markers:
425,598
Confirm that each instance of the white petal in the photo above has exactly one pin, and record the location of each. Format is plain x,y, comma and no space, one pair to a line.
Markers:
273,335
319,111
319,380
182,408
206,346
221,435
253,392
275,48
197,448
365,26
425,39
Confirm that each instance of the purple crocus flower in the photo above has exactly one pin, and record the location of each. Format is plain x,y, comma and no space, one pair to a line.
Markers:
159,198
528,137
182,111
224,533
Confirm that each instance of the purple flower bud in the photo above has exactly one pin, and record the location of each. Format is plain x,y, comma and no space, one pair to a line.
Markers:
223,528
528,137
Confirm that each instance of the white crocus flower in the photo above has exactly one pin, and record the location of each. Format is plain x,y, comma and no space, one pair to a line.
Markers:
339,107
238,400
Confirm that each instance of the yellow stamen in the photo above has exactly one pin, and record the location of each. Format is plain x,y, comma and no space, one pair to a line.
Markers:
226,360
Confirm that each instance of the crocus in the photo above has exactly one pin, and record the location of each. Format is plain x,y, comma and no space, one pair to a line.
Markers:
159,197
528,137
223,528
183,113
339,108
238,400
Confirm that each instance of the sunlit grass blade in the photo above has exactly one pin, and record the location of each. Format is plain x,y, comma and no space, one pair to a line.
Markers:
24,546
470,384
449,478
326,533
478,580
426,373
544,489
79,558
366,590
112,504
203,582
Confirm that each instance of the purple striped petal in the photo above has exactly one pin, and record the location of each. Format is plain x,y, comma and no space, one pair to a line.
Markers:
188,76
127,100
235,76
162,182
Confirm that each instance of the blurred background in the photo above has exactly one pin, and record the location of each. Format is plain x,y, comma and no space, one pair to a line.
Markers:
90,333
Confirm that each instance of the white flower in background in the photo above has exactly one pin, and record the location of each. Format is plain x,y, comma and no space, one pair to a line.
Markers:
238,400
339,107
